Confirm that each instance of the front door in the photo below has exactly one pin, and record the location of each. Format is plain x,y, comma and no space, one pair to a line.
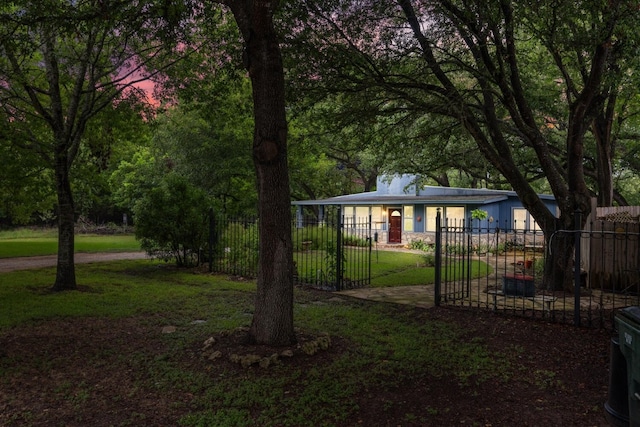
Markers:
395,226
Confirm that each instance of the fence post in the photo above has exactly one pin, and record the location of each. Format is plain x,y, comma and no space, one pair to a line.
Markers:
339,226
370,246
577,221
438,258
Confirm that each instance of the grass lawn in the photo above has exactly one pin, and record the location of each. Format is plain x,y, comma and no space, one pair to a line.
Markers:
100,356
25,242
390,268
403,346
117,289
395,268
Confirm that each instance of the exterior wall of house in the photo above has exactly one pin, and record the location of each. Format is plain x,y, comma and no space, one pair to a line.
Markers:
418,217
499,215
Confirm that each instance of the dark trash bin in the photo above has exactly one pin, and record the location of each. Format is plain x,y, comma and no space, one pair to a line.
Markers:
617,406
628,323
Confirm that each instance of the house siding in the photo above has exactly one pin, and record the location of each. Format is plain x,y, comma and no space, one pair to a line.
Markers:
399,193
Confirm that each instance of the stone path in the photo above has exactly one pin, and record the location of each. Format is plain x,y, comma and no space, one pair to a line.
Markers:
419,296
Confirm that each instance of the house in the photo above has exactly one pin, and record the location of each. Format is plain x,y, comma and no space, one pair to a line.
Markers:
401,212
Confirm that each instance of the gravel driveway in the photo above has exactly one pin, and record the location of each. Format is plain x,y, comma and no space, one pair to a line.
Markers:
26,263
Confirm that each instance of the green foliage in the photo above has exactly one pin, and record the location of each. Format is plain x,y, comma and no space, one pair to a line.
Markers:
69,73
171,221
313,237
332,155
479,214
134,177
429,260
383,88
209,142
26,191
318,237
332,264
355,240
421,245
456,249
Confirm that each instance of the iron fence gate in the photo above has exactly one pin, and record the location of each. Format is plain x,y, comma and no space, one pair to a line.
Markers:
332,252
501,268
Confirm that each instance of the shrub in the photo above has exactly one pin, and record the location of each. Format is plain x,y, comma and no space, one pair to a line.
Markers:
312,237
171,221
353,240
429,260
421,245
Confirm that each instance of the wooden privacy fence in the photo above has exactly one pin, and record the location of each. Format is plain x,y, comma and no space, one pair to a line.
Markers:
610,249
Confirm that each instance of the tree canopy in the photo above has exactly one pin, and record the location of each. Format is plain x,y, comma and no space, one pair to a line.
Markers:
61,64
537,86
533,96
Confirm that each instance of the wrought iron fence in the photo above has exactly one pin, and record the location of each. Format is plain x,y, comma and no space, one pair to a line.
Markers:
502,269
233,245
332,253
328,253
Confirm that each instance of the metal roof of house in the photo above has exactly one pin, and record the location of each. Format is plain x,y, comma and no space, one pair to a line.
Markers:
402,190
388,199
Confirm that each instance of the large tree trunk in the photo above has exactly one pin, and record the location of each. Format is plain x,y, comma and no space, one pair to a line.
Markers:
65,274
559,262
273,317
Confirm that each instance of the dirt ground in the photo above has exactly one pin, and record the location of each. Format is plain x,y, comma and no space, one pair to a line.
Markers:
562,380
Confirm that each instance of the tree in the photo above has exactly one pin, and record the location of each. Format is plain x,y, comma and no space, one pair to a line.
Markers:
110,138
209,142
313,173
61,63
273,317
525,81
346,142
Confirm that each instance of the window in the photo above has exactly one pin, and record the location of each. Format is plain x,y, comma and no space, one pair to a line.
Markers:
522,220
376,215
408,218
348,214
519,219
362,216
430,218
452,216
